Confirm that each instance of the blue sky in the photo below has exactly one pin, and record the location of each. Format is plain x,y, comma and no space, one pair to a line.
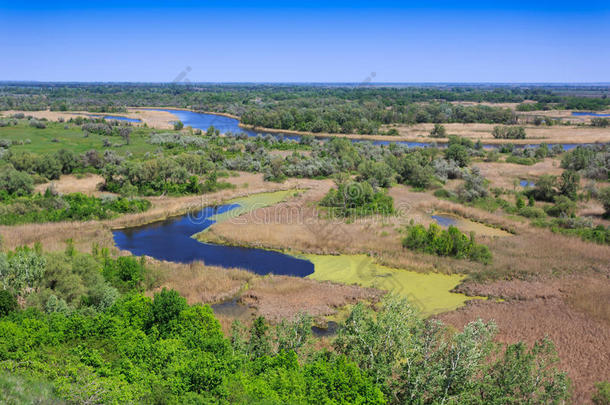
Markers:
306,41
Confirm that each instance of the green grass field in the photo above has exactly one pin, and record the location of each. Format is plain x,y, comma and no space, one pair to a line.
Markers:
253,202
55,137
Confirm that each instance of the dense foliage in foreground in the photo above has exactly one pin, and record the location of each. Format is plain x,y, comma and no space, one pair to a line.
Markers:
84,333
164,351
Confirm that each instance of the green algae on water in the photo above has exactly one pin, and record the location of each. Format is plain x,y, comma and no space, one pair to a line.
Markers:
430,292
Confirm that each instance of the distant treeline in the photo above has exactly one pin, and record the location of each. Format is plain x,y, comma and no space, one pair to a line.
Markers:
316,108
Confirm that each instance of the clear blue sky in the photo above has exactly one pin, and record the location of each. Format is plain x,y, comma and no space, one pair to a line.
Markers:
306,41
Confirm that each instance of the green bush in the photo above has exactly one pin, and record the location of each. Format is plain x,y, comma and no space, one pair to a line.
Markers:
450,242
503,132
602,394
354,199
532,212
8,303
520,160
14,182
69,207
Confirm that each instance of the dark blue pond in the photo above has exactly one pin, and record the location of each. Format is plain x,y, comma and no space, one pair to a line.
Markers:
225,124
171,240
590,114
444,221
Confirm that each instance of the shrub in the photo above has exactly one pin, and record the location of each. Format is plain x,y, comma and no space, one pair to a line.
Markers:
357,199
532,212
459,154
503,132
600,122
37,124
438,131
545,188
474,187
74,207
563,206
602,394
14,182
450,242
8,303
604,198
569,184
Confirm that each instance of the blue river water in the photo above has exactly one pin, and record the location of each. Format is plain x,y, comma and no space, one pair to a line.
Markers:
171,240
226,124
589,114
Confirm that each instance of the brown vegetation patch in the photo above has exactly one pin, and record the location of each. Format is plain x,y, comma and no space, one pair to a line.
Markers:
69,183
537,311
199,283
535,134
281,297
503,174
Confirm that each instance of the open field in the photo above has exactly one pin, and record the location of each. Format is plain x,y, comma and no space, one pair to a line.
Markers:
535,134
69,136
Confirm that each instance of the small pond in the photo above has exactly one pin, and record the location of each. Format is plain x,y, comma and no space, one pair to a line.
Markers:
526,183
171,240
444,220
589,114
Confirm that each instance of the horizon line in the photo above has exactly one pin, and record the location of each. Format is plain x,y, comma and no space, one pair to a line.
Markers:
359,83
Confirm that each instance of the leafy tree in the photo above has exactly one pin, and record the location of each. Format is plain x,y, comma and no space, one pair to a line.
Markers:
438,131
545,188
378,174
563,207
259,344
8,303
178,125
23,268
474,186
67,160
459,154
15,182
569,184
166,308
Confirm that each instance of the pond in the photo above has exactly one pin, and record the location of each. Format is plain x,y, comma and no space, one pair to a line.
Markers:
227,124
445,221
526,183
590,114
171,240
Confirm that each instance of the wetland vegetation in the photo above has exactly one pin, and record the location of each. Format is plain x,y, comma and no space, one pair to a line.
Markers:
327,227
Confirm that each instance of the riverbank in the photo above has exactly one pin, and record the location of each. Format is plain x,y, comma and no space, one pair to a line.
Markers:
418,133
